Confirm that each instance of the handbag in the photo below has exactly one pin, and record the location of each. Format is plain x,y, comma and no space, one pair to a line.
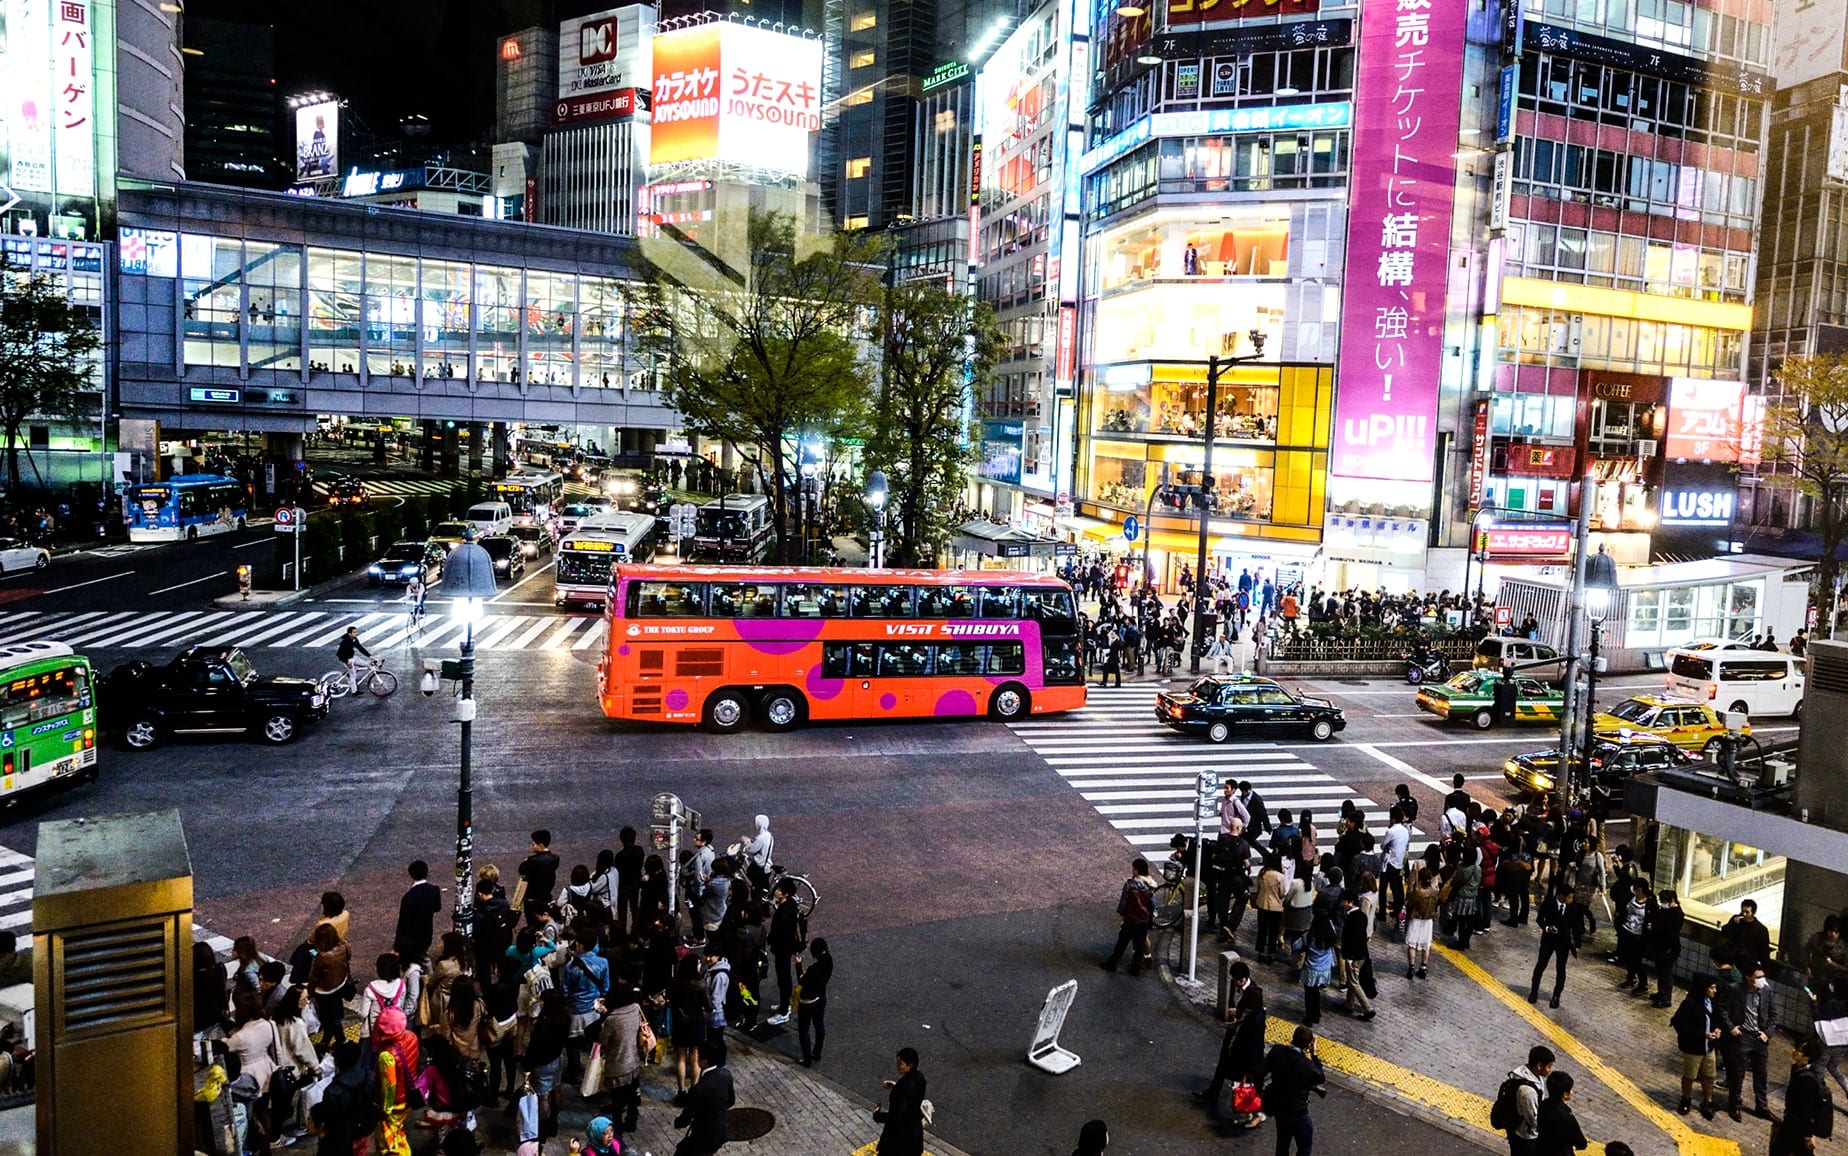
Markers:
1245,1098
593,1072
645,1041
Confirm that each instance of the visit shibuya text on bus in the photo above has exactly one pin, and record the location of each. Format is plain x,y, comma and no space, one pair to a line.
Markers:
47,717
723,646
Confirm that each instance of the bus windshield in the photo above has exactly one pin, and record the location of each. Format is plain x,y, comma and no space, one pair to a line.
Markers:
38,697
575,568
713,523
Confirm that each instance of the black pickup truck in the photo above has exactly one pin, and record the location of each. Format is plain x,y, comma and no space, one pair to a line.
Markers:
206,690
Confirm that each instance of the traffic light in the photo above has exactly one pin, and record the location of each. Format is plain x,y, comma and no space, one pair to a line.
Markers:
1206,497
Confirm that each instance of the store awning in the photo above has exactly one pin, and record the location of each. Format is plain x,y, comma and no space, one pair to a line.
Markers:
993,541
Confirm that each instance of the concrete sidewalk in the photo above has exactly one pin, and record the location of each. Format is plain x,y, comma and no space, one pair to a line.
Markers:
1441,1046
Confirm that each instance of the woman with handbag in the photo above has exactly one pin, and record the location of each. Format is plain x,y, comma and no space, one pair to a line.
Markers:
453,960
1245,1058
545,1056
253,1040
1461,895
621,1044
462,1028
296,1064
1318,951
331,978
500,1005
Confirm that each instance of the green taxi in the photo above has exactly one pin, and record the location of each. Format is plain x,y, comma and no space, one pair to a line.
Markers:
1471,695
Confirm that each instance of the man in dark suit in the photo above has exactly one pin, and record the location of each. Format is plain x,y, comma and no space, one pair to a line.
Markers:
1260,823
1291,1072
417,915
903,1115
708,1103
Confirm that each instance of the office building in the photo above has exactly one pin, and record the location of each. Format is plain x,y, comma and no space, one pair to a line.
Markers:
232,106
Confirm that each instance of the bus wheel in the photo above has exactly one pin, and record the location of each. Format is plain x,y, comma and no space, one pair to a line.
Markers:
780,710
1010,702
192,533
240,524
726,711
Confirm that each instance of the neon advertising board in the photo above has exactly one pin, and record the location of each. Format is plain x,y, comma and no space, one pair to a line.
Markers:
1706,420
1217,122
48,104
1406,117
730,92
1201,13
317,140
602,59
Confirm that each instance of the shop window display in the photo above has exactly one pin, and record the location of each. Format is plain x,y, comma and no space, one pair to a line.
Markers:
1178,409
1182,249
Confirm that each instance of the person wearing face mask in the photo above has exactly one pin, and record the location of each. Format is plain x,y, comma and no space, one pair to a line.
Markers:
1757,1023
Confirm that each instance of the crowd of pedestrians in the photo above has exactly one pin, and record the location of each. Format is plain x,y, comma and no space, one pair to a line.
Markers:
1323,897
570,982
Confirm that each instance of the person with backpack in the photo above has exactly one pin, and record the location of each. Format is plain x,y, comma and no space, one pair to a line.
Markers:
1809,1109
788,936
394,1058
1516,1110
584,978
1291,1072
388,990
349,1109
1136,907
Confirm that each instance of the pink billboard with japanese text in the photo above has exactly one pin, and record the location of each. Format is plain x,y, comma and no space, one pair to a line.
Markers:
1406,110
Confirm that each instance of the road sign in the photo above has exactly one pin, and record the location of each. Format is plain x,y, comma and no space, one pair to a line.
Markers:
290,519
285,517
1504,615
1812,618
1131,528
1208,785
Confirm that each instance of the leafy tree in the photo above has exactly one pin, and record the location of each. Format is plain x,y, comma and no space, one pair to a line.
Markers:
936,347
48,351
761,351
1806,444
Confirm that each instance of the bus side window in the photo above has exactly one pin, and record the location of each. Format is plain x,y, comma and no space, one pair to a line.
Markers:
958,658
1005,658
1061,660
904,659
1048,605
692,602
897,602
998,602
862,665
960,603
834,659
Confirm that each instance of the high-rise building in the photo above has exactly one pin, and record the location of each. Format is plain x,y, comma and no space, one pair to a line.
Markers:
595,126
1802,305
232,107
1625,158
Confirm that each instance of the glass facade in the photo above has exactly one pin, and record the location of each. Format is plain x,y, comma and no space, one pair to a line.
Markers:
252,305
1712,876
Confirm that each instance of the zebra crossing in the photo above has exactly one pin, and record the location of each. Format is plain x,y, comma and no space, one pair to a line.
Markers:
298,629
398,487
16,874
1140,775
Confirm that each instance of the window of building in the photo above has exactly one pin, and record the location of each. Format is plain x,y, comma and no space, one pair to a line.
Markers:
946,121
860,96
862,22
862,59
855,222
859,167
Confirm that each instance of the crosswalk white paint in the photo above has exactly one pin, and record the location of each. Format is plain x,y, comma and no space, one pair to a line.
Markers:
380,630
17,872
1139,775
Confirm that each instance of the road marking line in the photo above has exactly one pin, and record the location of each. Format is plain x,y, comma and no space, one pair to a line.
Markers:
146,629
1402,767
324,638
174,631
288,623
248,545
91,582
296,637
501,629
540,626
530,575
592,636
565,630
185,584
1687,1141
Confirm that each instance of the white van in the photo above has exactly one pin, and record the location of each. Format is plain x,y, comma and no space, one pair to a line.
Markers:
1757,682
490,517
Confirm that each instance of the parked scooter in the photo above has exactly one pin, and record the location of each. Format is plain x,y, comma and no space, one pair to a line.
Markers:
1426,666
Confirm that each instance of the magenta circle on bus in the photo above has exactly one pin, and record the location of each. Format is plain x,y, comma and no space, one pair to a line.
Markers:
954,702
888,700
676,699
820,687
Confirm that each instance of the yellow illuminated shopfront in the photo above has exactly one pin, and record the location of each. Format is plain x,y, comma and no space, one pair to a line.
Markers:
1143,425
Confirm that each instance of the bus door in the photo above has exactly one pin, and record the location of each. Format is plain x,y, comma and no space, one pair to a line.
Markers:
854,668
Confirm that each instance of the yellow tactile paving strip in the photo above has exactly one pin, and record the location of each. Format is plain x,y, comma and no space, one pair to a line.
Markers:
1473,1110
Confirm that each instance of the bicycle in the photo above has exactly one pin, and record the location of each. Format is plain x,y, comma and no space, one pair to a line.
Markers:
1170,901
801,890
372,677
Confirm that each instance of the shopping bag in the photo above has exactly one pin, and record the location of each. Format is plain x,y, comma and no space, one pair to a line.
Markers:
1245,1098
593,1072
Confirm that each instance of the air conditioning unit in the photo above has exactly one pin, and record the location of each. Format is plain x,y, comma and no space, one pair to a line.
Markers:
1647,448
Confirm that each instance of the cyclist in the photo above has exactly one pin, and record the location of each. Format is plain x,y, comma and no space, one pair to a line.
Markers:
350,645
414,592
758,848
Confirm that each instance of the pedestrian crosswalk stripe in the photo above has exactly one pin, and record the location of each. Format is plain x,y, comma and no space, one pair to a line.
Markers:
1140,776
380,629
17,872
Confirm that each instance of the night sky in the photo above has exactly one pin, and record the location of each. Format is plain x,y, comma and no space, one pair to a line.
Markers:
392,58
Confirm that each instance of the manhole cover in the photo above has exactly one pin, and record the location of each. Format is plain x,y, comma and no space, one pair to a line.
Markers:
749,1123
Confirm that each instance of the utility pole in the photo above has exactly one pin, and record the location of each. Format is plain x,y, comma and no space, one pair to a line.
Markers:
1575,609
1205,499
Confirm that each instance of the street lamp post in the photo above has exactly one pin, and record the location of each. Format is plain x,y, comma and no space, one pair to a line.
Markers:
876,501
468,581
1600,597
1487,509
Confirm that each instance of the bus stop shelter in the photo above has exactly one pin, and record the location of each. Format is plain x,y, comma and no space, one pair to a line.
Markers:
983,545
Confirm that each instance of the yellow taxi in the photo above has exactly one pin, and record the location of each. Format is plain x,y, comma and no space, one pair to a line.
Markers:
1692,726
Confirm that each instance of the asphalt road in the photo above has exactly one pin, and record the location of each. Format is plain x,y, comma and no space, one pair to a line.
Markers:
962,876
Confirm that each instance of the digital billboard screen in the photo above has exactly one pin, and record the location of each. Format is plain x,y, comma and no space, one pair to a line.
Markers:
1705,419
317,140
729,92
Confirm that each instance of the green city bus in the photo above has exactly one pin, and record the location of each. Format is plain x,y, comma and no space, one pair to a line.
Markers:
47,718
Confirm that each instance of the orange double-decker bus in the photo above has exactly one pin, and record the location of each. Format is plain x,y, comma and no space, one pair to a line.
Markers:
724,645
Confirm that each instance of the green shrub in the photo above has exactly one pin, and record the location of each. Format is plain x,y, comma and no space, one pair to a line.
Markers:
321,550
356,536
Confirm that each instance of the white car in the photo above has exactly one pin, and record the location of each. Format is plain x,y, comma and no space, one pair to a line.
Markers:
16,555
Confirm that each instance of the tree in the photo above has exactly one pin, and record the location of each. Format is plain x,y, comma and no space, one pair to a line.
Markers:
761,351
1806,444
48,351
936,348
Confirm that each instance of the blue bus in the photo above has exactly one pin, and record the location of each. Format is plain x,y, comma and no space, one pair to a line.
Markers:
185,507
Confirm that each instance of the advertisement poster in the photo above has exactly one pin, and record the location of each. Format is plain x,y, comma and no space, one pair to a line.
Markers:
1187,81
25,77
317,140
1392,320
1706,420
602,59
731,92
1201,13
1225,78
